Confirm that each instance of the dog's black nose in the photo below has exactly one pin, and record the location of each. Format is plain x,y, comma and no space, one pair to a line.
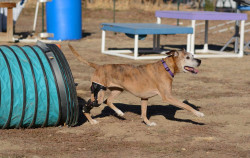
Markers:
199,61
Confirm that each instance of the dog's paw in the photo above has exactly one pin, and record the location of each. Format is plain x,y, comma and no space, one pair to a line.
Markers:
93,122
199,114
119,113
152,124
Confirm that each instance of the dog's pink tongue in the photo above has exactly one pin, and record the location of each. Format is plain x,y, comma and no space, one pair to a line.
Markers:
196,70
191,69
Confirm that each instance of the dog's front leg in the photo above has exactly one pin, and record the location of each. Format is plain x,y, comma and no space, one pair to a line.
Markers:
144,104
166,94
92,121
177,103
95,101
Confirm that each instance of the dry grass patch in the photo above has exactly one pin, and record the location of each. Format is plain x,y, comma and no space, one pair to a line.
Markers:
146,5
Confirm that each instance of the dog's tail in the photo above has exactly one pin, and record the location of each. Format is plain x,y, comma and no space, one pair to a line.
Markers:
95,66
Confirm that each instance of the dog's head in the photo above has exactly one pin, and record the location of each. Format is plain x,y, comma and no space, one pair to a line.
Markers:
185,61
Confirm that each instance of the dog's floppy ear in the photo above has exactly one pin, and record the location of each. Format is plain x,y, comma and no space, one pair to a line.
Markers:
173,53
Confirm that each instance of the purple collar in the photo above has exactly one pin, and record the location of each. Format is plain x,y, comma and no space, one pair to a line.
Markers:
167,68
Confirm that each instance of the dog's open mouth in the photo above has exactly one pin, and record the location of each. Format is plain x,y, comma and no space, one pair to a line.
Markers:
191,69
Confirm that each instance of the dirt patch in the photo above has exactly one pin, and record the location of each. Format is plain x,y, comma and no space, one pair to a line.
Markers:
220,90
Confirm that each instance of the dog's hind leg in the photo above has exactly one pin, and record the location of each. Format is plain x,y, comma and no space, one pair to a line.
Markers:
110,99
88,116
144,104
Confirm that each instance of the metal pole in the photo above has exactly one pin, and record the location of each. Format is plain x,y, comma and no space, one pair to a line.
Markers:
237,26
35,18
178,8
42,17
114,11
205,48
136,47
103,41
193,38
242,26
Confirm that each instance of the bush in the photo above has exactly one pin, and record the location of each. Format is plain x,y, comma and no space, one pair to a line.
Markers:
208,6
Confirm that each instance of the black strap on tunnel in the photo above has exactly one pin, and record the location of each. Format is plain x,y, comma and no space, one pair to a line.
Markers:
46,84
35,87
65,112
69,77
64,77
11,87
24,87
57,88
72,86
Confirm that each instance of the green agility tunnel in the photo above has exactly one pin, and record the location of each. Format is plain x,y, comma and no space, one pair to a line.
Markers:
37,88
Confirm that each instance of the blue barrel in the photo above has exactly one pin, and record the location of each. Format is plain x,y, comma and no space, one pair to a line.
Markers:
36,87
64,19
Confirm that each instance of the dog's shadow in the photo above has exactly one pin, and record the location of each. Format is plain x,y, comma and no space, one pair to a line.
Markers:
167,111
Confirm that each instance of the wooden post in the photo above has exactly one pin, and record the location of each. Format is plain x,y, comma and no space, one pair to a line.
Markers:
10,24
8,36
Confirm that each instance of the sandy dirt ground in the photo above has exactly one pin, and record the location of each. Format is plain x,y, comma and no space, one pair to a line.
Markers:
220,90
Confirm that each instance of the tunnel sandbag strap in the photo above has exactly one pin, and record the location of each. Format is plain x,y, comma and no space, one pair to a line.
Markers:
72,107
43,46
54,106
55,82
69,84
72,86
23,86
63,68
66,106
6,125
62,96
59,80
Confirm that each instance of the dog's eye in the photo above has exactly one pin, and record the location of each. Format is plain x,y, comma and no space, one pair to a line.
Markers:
187,57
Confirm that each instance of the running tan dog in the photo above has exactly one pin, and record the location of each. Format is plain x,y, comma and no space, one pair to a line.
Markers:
144,81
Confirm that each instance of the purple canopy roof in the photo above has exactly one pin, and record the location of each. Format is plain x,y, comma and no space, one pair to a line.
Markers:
201,15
